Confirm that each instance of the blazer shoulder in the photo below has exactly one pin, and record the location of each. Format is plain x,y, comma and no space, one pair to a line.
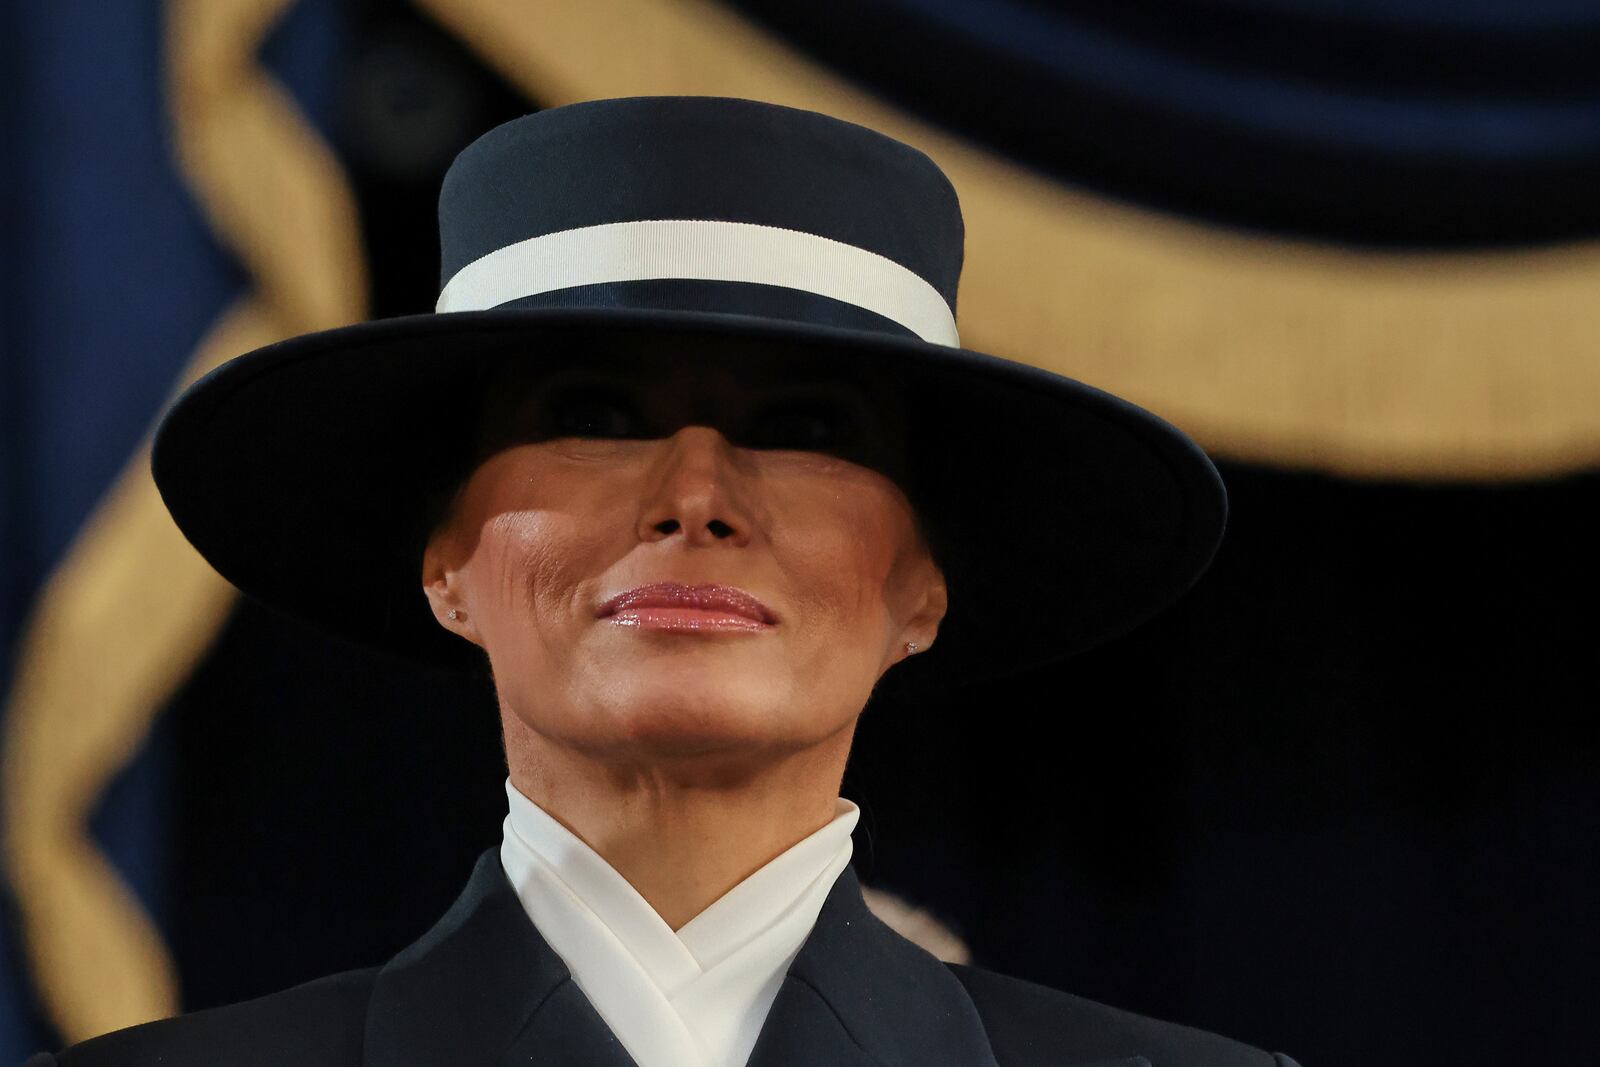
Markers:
317,1023
1028,1023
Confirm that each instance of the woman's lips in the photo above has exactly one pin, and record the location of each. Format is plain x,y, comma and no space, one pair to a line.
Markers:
673,606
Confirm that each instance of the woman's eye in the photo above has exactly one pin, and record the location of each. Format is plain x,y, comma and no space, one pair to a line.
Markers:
815,427
590,414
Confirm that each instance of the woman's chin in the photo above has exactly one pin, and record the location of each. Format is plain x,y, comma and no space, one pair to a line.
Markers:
694,710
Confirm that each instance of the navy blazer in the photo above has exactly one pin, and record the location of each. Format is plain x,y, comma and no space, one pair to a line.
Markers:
482,987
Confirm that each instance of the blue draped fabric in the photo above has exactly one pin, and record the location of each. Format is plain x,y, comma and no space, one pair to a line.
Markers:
1416,123
110,278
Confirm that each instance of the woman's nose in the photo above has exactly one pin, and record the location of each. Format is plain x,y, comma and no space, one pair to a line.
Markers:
696,489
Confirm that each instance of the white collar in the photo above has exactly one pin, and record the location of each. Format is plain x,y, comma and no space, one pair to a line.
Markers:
695,996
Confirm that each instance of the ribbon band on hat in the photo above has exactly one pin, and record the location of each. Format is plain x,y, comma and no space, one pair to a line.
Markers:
708,250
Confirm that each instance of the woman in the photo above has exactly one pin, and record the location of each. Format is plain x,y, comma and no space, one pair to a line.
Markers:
691,460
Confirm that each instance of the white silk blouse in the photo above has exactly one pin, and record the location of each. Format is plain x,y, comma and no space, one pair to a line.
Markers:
695,996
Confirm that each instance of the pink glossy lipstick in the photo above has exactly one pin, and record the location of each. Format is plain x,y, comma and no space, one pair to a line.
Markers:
675,607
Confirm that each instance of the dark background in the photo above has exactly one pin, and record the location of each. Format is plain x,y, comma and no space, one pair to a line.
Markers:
1341,801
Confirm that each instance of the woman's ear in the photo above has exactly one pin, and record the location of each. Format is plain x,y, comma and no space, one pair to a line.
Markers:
443,582
922,625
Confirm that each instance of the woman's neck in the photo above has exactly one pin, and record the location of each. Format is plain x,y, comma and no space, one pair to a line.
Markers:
682,831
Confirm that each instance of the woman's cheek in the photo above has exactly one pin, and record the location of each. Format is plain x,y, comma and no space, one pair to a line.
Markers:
851,598
532,570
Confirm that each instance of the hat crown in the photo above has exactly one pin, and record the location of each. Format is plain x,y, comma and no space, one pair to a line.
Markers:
819,219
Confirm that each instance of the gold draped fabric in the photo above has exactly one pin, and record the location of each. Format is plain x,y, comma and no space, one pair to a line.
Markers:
131,608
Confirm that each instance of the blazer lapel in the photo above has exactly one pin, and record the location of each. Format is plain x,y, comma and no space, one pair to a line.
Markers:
858,994
482,987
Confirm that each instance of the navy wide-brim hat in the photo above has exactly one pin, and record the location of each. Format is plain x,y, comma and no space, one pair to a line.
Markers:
687,227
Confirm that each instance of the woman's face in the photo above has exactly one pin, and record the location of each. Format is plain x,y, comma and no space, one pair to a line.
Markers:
629,473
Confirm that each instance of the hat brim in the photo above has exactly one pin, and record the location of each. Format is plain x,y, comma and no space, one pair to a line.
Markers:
1070,515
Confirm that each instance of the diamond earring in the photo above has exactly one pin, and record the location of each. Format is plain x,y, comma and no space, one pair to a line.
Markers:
453,615
911,646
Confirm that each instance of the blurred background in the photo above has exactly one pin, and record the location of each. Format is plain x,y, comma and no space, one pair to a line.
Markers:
1341,801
